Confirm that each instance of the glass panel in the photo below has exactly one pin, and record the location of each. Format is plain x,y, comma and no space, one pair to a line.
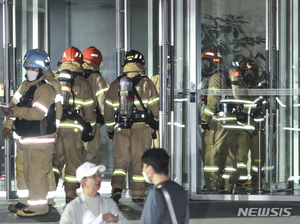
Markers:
182,87
233,51
20,38
93,23
285,157
8,72
2,151
137,29
96,29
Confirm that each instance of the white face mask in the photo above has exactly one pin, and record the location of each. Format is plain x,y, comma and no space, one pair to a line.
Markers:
147,177
31,75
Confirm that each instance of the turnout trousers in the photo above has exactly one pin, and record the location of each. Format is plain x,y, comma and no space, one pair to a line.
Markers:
37,167
129,146
92,148
245,142
219,157
68,151
22,190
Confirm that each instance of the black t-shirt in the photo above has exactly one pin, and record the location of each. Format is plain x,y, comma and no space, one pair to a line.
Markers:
156,208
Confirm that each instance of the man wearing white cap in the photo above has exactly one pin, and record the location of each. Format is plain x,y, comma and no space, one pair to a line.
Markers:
90,207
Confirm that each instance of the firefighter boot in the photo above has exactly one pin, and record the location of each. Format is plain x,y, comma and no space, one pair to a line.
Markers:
28,213
138,199
117,194
51,202
204,189
16,207
70,189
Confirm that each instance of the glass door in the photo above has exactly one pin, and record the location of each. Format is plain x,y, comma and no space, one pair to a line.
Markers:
3,89
137,28
24,28
258,43
124,25
179,77
284,156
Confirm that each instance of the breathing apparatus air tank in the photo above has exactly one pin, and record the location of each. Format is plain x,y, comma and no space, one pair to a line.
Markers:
235,75
235,78
66,80
126,98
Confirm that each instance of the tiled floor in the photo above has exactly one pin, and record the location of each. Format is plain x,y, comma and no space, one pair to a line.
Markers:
204,212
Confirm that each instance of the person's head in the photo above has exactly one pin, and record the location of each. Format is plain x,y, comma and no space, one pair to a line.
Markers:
134,63
89,175
134,56
211,59
72,54
92,54
36,61
155,161
250,73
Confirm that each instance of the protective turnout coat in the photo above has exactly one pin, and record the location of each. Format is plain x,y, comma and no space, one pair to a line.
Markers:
84,99
98,84
145,88
130,144
26,86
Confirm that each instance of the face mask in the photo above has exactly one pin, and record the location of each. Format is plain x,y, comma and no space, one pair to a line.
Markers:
31,75
147,178
205,69
249,78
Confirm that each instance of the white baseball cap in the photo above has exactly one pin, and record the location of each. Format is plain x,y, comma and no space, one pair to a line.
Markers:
88,169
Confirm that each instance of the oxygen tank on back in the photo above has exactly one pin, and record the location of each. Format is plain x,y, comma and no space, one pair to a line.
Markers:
126,100
66,80
235,78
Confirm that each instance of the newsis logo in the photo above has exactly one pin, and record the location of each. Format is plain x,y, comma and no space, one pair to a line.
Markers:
259,212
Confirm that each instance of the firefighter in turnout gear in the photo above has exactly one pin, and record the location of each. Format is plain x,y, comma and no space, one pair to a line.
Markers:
78,121
247,139
131,113
35,125
92,59
218,145
22,190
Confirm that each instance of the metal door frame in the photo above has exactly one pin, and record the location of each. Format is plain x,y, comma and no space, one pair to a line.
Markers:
272,51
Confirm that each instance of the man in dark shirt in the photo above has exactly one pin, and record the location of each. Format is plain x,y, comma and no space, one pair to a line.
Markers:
156,210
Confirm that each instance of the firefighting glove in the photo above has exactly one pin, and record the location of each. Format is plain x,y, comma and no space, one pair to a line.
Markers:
110,135
150,120
87,131
100,117
154,135
204,125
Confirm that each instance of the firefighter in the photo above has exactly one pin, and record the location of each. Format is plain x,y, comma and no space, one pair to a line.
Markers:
131,116
22,190
92,59
218,148
77,123
35,124
247,139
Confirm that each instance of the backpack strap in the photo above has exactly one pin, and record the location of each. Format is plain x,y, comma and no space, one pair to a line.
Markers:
87,73
170,205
